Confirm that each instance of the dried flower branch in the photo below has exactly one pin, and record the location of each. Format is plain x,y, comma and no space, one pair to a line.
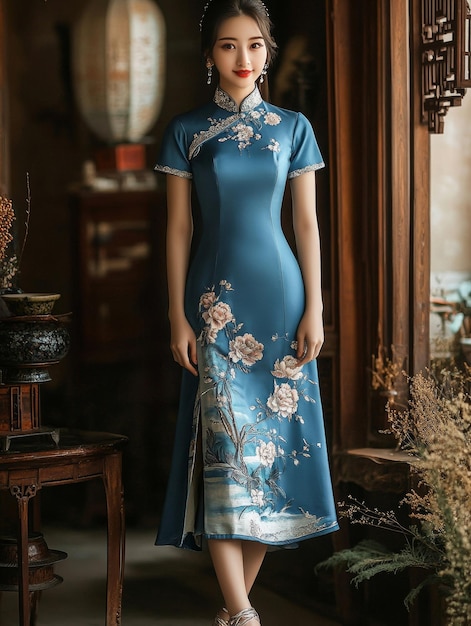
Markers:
9,262
7,217
385,369
28,215
436,431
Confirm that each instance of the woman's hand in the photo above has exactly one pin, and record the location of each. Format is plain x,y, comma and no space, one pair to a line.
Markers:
310,337
183,345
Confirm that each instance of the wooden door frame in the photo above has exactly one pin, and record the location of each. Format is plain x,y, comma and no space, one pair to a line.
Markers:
380,157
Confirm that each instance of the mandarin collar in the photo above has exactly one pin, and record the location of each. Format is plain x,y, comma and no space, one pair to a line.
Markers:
224,100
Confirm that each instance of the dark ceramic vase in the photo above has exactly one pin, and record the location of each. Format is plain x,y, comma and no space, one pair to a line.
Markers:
29,345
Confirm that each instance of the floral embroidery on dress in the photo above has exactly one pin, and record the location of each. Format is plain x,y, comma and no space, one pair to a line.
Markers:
242,127
243,133
287,368
274,146
216,127
256,457
283,400
272,119
246,349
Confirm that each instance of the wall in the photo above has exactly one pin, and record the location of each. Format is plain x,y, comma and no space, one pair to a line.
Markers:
451,201
48,137
450,226
49,140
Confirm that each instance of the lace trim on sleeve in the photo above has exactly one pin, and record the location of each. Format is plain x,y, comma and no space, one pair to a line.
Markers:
308,168
165,169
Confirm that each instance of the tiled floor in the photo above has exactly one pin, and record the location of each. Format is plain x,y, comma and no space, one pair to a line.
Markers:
163,587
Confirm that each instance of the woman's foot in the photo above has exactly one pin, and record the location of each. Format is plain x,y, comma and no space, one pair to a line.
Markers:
222,618
246,617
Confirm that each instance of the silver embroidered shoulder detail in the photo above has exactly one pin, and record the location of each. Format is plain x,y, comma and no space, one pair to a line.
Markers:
303,170
165,169
224,100
216,127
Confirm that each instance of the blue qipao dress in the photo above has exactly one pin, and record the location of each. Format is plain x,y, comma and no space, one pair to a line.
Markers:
250,458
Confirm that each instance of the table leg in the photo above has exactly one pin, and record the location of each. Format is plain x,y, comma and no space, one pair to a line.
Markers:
23,493
34,598
112,479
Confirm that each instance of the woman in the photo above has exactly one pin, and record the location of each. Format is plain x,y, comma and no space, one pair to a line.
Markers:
250,464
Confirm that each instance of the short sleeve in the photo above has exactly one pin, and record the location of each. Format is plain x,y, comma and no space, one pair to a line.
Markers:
305,153
173,155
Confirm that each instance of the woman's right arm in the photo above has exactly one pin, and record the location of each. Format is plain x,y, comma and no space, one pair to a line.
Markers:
179,235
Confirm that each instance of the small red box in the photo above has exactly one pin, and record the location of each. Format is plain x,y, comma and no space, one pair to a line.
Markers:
121,158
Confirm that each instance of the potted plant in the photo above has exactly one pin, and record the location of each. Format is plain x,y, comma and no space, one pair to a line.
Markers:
435,430
30,337
13,301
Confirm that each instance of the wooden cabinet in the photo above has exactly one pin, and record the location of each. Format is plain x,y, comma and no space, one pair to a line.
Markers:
119,271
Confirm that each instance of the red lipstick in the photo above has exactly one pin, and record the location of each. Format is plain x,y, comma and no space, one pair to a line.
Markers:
244,73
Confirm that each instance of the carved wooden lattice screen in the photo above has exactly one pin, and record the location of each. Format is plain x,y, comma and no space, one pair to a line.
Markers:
446,29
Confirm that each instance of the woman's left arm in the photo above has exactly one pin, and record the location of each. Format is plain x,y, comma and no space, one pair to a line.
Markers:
310,333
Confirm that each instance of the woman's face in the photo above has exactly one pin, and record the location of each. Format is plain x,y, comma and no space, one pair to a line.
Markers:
239,54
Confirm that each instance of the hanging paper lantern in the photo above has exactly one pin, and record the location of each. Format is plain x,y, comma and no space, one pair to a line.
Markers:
119,65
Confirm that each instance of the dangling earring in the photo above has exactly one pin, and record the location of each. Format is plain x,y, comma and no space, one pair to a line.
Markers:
263,74
210,72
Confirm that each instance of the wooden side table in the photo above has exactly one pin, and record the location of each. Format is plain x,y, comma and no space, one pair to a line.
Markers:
374,469
79,456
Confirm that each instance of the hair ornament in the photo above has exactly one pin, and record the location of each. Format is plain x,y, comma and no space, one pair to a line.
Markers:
205,8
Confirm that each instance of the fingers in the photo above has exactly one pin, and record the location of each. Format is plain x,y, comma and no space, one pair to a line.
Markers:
193,355
308,349
185,355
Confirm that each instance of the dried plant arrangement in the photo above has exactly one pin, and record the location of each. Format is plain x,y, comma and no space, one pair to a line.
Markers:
385,368
435,430
9,261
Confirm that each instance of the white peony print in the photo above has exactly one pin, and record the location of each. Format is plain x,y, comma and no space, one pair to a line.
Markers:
272,119
243,132
266,452
283,400
207,299
211,334
257,497
218,315
287,368
274,146
245,348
